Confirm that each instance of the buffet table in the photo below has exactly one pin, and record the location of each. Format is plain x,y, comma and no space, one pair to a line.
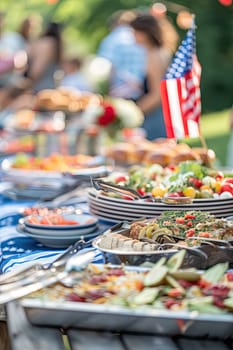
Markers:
24,335
17,249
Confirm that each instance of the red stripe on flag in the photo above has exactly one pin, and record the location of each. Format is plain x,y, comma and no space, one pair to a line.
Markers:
166,110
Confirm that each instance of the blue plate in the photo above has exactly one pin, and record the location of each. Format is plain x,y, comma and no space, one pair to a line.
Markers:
84,221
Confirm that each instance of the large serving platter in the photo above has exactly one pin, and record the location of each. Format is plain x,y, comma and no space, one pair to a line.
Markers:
110,318
117,209
205,253
95,168
143,320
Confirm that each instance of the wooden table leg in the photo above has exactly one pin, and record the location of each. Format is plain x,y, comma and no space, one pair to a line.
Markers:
4,339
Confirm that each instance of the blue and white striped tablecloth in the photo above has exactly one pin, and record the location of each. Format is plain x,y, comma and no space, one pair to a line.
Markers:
17,248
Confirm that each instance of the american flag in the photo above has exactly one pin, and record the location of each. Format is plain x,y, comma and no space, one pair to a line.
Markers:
180,91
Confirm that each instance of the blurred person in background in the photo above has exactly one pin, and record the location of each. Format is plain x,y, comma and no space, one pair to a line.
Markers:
12,50
230,143
44,58
13,59
148,33
170,36
73,75
128,59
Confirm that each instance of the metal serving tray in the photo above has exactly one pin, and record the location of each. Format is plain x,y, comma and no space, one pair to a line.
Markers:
144,320
208,253
118,319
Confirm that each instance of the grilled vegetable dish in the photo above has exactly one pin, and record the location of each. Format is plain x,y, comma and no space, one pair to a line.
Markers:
188,228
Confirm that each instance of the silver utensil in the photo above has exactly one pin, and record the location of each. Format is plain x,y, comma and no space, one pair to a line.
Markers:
51,276
29,269
99,184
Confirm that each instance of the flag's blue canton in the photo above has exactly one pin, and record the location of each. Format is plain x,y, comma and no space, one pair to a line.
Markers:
183,59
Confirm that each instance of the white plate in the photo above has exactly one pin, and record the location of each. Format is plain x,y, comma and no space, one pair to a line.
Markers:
94,168
155,211
111,217
102,203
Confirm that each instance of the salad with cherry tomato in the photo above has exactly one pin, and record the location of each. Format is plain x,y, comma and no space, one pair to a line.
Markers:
188,179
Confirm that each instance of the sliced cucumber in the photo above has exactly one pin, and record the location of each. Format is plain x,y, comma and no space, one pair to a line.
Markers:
155,276
191,275
176,260
229,303
215,273
147,296
170,280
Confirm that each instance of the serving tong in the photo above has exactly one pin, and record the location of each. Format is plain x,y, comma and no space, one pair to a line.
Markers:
104,186
46,278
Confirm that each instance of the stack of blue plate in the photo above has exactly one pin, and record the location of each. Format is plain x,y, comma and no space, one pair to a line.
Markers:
61,236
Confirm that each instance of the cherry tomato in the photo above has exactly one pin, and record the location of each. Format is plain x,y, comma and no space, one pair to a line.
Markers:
141,191
190,232
219,175
189,223
227,187
190,216
195,182
229,276
180,220
121,178
174,194
228,180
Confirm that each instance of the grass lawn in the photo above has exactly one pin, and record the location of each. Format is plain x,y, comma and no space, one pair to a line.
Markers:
216,131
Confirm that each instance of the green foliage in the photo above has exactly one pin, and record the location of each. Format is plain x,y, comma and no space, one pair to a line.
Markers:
85,23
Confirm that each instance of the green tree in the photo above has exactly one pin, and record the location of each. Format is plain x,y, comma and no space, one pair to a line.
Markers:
85,24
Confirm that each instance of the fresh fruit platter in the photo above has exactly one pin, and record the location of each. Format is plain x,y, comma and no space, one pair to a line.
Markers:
138,298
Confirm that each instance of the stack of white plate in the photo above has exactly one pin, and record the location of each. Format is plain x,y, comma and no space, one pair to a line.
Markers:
61,236
114,209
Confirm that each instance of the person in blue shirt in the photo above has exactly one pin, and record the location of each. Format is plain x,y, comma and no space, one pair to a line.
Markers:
73,76
128,59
